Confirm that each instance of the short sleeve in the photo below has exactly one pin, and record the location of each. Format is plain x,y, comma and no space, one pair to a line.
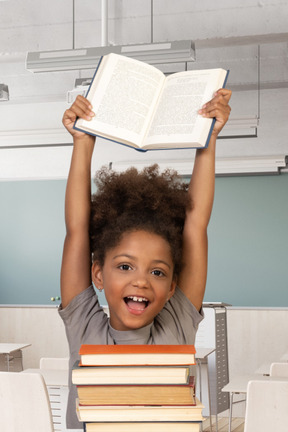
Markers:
178,321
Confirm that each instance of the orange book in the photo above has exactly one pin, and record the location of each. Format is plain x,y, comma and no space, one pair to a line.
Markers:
156,395
117,355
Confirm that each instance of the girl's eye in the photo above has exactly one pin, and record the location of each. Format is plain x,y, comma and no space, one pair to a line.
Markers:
125,267
158,273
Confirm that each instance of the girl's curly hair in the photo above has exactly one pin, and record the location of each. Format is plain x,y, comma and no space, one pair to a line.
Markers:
128,201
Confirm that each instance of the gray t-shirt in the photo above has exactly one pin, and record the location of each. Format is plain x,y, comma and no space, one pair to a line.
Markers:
87,323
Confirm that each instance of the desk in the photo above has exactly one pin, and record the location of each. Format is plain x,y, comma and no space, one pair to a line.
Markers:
202,359
7,349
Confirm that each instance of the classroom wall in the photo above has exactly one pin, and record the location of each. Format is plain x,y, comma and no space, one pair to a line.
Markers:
267,328
248,240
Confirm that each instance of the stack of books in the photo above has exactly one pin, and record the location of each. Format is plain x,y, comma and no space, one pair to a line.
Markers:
137,388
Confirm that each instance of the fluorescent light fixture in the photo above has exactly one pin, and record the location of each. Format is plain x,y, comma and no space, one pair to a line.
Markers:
251,165
226,166
88,58
240,127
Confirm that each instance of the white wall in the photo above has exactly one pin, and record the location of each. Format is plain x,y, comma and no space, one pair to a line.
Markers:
39,326
256,336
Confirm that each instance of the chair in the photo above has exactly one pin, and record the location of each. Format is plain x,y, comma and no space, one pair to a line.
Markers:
266,406
279,370
24,403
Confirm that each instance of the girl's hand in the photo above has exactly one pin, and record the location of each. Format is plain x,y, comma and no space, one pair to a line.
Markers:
80,108
218,107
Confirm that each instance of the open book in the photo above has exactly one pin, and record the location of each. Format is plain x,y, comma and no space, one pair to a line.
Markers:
137,105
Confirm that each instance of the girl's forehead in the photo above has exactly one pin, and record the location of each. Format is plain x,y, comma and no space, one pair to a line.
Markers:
141,235
141,242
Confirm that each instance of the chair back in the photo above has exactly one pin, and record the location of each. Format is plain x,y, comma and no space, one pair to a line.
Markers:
279,370
267,406
24,403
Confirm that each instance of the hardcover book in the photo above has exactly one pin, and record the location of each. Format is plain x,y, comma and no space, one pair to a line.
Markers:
108,355
143,427
135,413
130,374
137,105
156,395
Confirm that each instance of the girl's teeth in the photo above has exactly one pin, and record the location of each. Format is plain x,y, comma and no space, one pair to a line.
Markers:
139,299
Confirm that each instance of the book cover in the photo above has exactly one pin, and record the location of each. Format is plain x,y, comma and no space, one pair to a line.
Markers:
143,427
116,413
137,354
130,374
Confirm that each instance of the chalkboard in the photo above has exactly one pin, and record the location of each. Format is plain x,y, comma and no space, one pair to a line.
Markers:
248,239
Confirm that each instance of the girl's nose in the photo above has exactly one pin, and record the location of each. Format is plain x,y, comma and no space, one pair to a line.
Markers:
140,280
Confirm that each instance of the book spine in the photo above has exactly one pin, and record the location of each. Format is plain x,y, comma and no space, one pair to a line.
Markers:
96,70
214,119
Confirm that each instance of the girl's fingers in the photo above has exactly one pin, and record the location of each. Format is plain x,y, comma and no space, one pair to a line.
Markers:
82,108
224,93
82,102
222,96
215,110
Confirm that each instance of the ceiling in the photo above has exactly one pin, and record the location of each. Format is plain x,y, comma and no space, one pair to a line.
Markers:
220,32
248,37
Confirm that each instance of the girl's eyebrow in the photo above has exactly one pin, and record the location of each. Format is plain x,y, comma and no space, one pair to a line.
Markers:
132,257
162,262
123,256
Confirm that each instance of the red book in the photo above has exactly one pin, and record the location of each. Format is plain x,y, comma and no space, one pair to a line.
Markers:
117,355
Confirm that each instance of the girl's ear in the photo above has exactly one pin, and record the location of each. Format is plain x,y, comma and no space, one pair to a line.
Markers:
172,288
97,276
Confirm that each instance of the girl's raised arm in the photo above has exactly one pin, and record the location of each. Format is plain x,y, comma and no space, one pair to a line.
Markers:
76,260
192,280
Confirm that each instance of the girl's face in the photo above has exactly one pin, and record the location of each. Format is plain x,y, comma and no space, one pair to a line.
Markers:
137,278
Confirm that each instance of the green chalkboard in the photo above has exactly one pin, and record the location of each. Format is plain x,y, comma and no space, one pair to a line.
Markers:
248,238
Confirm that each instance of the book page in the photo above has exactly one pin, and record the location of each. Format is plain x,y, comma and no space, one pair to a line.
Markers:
177,115
124,98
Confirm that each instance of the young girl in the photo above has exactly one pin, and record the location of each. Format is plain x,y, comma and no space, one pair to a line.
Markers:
147,233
